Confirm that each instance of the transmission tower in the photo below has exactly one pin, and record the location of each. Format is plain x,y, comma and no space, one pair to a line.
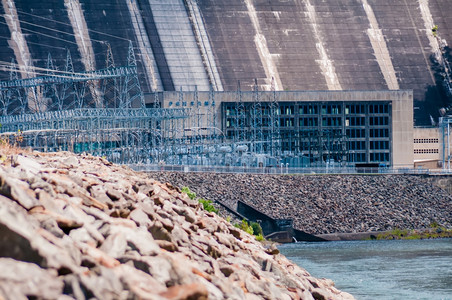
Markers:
110,89
239,126
16,98
211,117
275,133
258,136
131,94
50,92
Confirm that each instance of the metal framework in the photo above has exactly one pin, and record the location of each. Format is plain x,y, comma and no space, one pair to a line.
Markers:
103,112
240,117
257,137
275,133
445,124
100,112
121,135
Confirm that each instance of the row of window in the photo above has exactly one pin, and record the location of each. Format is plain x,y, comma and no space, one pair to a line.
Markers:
357,145
379,157
312,109
379,145
378,108
192,103
356,133
378,121
357,157
379,133
425,141
374,145
350,133
309,122
307,109
331,121
326,121
423,151
355,121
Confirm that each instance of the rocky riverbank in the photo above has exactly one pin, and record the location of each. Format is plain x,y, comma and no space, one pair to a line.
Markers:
76,227
324,204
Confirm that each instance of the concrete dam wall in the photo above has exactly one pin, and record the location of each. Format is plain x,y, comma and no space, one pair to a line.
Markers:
292,45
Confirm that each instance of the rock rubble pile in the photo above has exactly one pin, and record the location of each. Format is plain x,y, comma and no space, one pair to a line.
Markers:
74,227
329,203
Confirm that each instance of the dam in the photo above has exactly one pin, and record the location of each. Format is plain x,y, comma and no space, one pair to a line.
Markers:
188,52
302,44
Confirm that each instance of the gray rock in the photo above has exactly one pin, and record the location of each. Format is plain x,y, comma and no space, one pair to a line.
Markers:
71,161
21,239
140,217
115,244
104,231
27,164
188,213
22,280
17,190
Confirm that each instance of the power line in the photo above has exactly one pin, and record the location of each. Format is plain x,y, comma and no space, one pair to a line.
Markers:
53,37
56,30
39,44
63,23
16,67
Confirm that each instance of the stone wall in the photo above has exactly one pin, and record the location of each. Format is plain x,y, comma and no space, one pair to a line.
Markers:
329,203
76,227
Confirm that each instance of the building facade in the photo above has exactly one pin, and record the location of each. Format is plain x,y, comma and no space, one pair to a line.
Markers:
345,127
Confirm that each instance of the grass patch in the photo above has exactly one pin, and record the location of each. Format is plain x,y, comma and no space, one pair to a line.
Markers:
253,228
206,204
433,232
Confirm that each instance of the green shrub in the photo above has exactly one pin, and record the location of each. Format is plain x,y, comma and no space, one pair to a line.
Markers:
245,227
257,229
190,194
260,237
207,204
253,228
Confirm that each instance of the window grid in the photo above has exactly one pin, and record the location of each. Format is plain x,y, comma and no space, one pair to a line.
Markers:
425,151
426,141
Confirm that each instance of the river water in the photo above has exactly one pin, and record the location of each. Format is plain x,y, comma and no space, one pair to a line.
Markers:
405,269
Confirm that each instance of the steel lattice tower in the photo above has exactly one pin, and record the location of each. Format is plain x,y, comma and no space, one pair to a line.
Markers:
257,130
275,133
240,117
211,118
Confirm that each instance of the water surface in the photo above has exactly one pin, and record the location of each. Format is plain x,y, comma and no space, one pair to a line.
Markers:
419,269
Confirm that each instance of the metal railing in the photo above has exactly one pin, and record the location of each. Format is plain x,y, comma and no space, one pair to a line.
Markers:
286,170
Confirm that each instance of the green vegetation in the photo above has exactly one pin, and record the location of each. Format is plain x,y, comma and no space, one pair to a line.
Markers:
253,228
245,227
435,30
190,194
206,204
435,231
257,229
434,224
260,238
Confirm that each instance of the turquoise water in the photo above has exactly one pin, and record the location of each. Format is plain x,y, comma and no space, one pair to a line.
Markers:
420,269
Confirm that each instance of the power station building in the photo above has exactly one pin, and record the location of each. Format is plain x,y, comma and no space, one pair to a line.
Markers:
348,127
